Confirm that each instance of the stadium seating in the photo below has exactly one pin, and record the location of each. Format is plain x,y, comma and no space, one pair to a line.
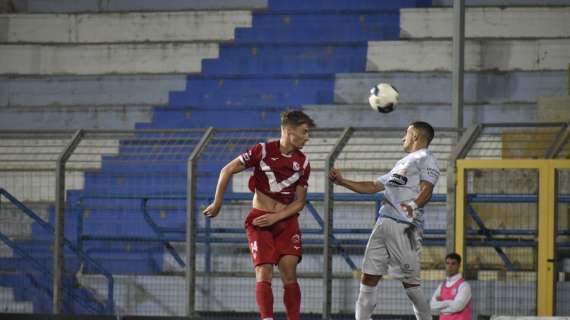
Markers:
505,55
322,56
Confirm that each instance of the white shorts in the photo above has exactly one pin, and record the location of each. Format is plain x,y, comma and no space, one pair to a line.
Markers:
394,248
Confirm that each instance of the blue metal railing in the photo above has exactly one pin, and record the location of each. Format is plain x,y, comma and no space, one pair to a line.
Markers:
40,267
109,307
205,234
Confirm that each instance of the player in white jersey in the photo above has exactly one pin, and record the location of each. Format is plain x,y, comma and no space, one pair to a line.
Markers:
395,243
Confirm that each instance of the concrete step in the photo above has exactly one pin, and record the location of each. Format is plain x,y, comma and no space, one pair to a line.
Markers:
5,251
487,22
98,59
36,185
6,293
504,3
128,27
16,307
114,117
17,230
25,154
83,91
500,54
134,5
10,213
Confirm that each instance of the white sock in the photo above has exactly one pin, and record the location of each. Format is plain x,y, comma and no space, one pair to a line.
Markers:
419,302
366,302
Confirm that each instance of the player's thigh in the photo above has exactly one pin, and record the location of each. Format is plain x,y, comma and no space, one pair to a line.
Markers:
403,247
376,257
261,245
288,239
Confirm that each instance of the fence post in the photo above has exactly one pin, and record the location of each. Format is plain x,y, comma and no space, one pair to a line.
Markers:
458,66
328,225
465,143
191,223
58,254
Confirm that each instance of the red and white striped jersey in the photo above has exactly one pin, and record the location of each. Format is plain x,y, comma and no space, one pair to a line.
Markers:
275,174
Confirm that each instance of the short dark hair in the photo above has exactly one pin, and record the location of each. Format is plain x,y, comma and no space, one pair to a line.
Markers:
296,118
454,256
425,128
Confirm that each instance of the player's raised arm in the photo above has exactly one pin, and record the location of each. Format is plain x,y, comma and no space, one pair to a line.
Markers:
233,167
368,187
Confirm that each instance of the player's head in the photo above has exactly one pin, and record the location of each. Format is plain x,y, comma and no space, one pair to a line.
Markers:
452,264
295,125
418,135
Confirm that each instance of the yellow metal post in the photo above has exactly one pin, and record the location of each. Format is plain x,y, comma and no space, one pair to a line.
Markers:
546,235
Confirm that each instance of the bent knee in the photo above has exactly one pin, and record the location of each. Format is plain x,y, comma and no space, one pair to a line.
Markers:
410,285
370,280
263,272
288,275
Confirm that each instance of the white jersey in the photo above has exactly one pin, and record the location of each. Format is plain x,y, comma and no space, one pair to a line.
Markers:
402,184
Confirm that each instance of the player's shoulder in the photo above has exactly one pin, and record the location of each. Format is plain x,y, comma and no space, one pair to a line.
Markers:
423,154
272,143
271,146
417,155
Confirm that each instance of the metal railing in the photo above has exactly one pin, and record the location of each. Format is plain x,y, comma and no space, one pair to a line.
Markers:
178,169
109,305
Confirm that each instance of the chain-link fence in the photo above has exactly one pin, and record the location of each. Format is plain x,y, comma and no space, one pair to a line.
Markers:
126,206
130,217
28,175
125,212
227,272
501,209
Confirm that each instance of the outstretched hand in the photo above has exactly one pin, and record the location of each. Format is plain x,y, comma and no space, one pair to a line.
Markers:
335,176
212,210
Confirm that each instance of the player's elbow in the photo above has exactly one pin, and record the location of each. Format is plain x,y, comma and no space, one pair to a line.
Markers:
226,171
231,168
299,203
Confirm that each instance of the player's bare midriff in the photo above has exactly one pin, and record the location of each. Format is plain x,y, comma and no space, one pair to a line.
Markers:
263,202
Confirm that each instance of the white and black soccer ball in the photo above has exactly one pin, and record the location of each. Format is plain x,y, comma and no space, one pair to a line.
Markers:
384,98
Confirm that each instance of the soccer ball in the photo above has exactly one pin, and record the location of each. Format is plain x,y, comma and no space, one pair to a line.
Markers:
383,98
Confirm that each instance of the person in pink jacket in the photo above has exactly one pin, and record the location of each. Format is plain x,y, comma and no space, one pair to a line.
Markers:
452,299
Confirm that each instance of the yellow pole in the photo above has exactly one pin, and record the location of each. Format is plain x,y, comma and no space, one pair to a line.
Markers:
546,236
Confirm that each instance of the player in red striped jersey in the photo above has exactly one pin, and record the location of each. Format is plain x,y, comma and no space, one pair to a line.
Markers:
279,183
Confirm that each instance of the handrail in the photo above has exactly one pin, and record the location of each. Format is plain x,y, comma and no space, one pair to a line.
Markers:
110,287
440,197
38,265
166,234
